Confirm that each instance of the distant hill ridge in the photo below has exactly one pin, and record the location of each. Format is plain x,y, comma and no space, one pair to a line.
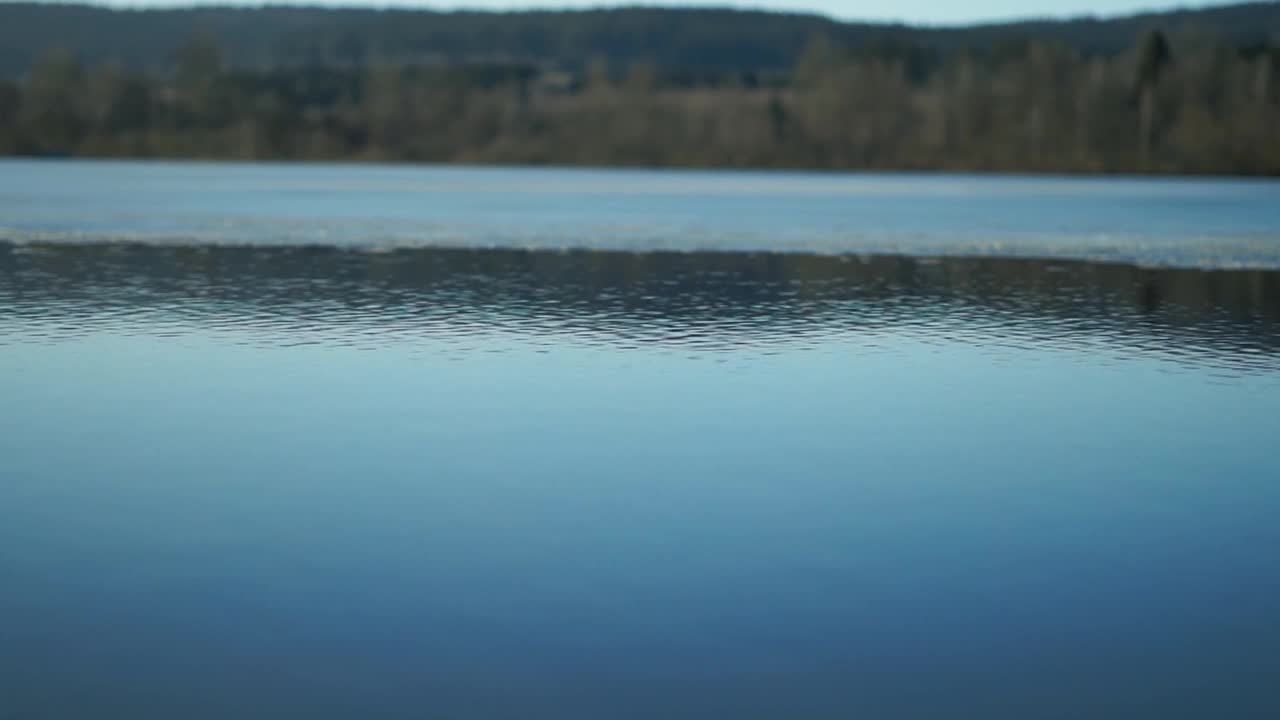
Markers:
686,39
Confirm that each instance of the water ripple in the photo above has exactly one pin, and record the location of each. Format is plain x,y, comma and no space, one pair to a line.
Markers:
696,303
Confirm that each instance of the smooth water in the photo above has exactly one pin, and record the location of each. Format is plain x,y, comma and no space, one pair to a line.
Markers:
253,474
1170,222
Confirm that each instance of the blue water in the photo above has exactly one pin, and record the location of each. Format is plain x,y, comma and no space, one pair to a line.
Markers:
252,474
1170,222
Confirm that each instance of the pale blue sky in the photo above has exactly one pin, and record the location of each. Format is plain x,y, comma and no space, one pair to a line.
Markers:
915,11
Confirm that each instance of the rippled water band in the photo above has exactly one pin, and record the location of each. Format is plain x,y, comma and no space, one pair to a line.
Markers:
692,302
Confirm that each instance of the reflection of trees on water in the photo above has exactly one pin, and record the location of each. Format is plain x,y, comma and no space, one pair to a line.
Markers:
707,299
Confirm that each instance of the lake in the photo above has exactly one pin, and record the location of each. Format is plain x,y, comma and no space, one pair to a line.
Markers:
360,441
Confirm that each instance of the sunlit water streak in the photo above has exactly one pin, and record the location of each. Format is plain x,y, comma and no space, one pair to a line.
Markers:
1212,223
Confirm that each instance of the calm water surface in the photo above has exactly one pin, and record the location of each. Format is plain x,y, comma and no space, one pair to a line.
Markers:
585,453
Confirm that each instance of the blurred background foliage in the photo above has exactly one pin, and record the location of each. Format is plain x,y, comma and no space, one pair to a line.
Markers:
1181,92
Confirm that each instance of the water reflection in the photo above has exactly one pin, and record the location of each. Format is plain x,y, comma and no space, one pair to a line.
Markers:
693,302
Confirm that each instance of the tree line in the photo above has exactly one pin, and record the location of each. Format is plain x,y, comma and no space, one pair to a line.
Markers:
1181,102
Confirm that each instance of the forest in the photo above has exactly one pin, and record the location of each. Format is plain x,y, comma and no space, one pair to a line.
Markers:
1185,93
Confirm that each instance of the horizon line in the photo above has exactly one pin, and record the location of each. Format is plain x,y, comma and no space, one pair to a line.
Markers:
534,8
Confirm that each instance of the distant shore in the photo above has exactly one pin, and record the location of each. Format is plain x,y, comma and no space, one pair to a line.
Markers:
1132,96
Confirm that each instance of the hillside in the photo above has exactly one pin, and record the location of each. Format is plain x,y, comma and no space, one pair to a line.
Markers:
690,40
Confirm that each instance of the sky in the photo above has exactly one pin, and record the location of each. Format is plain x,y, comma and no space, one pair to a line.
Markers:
913,11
